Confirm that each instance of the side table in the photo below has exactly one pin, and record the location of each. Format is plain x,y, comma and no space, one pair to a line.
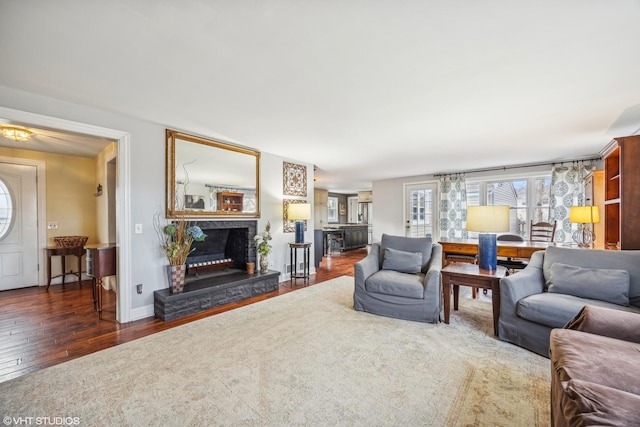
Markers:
51,251
101,262
293,260
471,275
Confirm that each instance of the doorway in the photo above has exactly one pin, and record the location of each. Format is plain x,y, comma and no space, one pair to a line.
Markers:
122,194
420,218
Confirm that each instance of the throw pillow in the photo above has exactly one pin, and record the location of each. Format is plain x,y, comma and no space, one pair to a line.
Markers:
423,245
404,262
610,285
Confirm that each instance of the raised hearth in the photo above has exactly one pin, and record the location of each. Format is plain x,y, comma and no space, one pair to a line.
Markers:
213,291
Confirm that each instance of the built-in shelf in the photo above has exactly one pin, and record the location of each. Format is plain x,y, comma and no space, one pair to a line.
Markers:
622,194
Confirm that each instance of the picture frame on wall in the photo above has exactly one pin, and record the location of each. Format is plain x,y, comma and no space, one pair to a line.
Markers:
294,179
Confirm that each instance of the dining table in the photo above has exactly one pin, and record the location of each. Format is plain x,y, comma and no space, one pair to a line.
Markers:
509,249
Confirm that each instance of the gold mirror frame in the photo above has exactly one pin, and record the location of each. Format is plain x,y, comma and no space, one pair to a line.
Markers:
209,178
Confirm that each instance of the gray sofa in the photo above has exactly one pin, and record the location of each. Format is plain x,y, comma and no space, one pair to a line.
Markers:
400,277
557,284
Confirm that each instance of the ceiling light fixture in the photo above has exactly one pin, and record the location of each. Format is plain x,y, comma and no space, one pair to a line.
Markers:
17,134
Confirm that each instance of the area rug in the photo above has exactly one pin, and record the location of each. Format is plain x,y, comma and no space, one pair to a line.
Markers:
303,358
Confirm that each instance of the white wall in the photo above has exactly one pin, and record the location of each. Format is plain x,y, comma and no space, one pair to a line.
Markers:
147,185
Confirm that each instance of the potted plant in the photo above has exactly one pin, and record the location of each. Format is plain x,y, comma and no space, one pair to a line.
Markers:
263,247
176,239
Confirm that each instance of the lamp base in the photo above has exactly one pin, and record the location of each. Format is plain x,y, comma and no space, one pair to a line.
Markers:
583,236
487,251
299,231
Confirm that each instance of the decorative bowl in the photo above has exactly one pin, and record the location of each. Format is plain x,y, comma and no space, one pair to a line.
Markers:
70,241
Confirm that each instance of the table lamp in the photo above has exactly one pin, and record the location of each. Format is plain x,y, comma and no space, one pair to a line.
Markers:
487,220
299,212
584,215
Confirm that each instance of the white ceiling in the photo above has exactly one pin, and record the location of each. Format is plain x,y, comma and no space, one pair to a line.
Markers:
364,89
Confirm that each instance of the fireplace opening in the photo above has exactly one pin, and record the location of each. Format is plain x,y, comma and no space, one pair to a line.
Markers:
228,247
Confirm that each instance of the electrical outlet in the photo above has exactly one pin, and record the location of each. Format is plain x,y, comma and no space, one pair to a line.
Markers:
270,264
52,225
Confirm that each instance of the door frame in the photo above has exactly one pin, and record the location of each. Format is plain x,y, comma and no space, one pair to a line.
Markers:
41,208
123,193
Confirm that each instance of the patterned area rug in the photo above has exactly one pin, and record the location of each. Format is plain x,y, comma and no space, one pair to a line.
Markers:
303,358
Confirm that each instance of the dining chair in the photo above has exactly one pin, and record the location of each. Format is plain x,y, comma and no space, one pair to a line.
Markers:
508,262
542,231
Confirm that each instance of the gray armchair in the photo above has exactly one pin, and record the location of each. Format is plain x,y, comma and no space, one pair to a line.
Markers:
400,277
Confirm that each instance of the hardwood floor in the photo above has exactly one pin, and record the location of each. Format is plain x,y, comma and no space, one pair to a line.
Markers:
40,328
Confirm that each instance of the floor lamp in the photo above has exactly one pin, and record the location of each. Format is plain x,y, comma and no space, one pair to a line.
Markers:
299,212
487,220
584,215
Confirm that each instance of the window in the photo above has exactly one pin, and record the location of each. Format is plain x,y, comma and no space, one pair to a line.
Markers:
332,208
6,210
528,199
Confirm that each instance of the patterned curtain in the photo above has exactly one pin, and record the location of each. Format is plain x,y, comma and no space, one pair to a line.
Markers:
567,189
453,207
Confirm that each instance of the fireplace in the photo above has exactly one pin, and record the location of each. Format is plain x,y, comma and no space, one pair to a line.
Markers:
229,244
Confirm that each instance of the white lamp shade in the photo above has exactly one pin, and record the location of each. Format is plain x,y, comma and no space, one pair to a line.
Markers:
488,219
584,214
299,211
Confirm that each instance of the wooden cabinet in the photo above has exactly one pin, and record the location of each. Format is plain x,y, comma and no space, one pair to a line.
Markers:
594,196
320,208
230,202
622,193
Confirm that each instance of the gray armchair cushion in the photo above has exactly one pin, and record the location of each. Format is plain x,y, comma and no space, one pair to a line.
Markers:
604,284
404,262
390,282
423,245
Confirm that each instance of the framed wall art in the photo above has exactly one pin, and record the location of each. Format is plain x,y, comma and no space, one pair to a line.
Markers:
294,178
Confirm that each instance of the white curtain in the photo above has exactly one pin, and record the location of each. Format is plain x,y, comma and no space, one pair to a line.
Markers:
567,189
453,207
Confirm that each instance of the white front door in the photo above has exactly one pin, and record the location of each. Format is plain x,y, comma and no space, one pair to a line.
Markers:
18,226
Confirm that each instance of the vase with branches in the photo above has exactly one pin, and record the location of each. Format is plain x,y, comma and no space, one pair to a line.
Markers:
263,247
176,238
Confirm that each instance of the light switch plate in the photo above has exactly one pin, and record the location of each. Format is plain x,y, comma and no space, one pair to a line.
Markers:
52,225
138,229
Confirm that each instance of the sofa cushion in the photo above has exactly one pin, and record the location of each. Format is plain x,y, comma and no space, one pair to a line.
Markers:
611,285
390,282
404,262
423,245
598,258
555,310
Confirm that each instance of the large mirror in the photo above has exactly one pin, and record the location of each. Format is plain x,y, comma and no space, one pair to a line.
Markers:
208,178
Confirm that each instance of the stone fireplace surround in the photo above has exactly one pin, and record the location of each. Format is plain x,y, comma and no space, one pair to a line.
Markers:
225,239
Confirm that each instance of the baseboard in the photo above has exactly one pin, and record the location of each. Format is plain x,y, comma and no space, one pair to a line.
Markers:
142,312
68,278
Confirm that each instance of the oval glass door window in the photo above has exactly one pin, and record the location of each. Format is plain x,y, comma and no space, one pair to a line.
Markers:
7,210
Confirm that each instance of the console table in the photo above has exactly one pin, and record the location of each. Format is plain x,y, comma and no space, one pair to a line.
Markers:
293,260
101,262
77,251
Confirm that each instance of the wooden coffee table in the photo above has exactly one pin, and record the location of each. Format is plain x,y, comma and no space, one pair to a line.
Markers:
459,273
